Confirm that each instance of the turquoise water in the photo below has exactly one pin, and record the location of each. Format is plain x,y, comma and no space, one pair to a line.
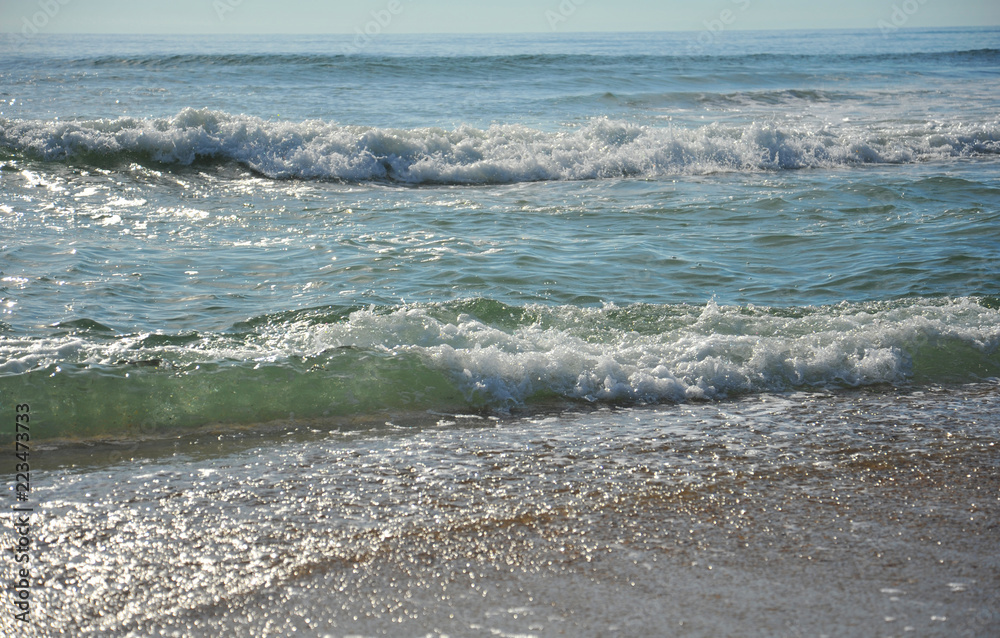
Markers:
518,335
491,223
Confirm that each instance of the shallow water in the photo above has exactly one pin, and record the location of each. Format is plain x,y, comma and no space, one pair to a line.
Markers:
776,512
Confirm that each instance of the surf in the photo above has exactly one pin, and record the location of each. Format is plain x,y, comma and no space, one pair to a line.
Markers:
599,148
485,357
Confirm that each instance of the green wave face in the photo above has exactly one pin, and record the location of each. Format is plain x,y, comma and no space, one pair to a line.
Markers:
79,401
485,356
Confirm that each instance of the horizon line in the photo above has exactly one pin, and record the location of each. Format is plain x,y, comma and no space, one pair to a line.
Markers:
460,33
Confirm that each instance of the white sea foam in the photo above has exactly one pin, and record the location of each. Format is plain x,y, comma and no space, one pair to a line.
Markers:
704,352
600,148
716,351
18,356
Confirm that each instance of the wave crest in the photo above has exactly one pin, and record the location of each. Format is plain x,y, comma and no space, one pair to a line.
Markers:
486,356
507,153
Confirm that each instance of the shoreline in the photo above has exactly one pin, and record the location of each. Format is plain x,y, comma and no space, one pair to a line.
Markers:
781,515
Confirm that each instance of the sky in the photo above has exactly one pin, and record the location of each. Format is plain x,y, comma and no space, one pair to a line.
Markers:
468,16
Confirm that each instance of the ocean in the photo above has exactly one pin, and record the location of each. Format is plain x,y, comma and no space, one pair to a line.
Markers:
514,335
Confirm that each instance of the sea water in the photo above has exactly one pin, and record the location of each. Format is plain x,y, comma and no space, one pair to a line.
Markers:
312,334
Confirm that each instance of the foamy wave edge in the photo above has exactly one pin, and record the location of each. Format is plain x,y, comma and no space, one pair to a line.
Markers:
503,153
633,354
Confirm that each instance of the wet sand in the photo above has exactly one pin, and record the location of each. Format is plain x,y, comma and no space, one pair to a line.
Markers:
864,513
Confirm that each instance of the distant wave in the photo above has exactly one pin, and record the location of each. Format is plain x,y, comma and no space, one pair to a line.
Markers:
483,355
510,61
600,148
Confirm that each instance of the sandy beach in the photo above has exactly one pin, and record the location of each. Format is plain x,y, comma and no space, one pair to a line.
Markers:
802,515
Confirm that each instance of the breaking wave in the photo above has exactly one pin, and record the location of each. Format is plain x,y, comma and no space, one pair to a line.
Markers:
486,356
509,153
